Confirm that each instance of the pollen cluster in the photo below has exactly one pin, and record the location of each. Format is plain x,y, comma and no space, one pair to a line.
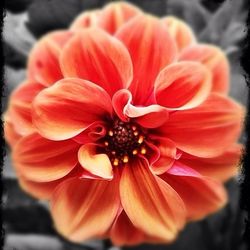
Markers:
123,141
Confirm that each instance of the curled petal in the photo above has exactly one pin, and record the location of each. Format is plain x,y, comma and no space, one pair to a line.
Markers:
43,64
69,107
151,49
221,167
180,32
153,153
207,130
200,194
120,101
182,85
83,209
150,203
94,132
85,20
98,57
215,60
20,107
150,116
167,156
39,159
97,164
114,15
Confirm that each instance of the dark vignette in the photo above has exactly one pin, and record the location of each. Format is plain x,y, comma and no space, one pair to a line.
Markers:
245,63
245,185
3,152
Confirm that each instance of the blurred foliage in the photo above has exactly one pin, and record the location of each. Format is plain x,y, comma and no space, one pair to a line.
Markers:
28,225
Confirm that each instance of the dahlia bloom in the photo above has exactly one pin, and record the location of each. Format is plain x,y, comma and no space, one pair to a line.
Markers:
125,125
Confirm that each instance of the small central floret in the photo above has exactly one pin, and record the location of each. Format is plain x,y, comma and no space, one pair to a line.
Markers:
123,141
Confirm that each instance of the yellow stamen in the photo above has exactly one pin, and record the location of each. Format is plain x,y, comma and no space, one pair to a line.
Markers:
125,159
116,162
143,151
140,141
135,152
136,133
111,133
106,143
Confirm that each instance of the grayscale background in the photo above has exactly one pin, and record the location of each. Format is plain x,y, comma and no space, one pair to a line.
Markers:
27,222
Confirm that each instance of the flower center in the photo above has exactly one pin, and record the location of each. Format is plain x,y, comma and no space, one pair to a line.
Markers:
123,141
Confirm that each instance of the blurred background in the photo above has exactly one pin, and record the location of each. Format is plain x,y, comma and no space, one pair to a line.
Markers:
27,223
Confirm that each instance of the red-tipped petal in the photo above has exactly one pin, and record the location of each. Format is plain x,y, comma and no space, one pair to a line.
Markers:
151,49
68,107
83,209
20,107
43,65
215,60
150,116
94,162
180,32
39,159
150,203
221,167
85,20
96,56
182,85
207,130
114,15
201,195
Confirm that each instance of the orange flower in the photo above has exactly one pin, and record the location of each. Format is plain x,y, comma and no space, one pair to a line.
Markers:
125,125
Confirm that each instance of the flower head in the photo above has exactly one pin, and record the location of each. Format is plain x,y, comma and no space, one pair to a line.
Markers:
125,125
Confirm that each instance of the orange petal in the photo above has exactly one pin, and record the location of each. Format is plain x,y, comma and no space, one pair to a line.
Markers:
68,107
40,190
43,65
150,203
182,85
85,20
167,157
221,167
42,160
150,116
215,60
96,56
207,130
84,209
96,164
151,49
123,232
44,190
114,15
10,135
201,195
180,32
20,107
